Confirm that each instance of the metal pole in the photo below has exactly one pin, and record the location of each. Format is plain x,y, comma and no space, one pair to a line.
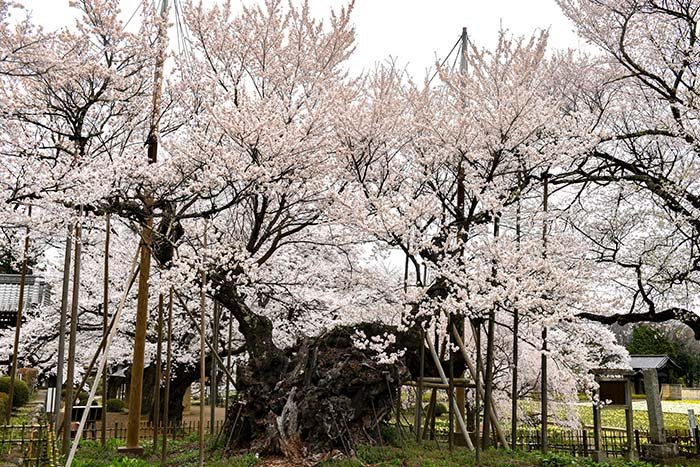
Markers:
166,398
72,338
136,388
62,329
18,323
105,325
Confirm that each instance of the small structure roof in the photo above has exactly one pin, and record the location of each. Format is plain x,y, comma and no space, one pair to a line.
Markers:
641,362
35,293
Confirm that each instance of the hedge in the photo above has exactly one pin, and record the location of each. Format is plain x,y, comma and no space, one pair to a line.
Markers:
3,407
115,405
21,393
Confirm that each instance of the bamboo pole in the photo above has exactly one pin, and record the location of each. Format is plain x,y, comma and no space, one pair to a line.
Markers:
62,330
18,322
105,325
72,337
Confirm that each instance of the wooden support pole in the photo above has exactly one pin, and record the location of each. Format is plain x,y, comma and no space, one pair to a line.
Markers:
476,329
452,403
213,383
490,340
102,366
166,398
62,330
228,364
543,385
136,387
159,358
202,340
460,420
18,322
72,338
105,326
516,325
472,371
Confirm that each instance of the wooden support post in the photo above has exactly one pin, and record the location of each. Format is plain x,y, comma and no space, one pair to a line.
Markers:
543,385
105,325
72,339
202,339
166,398
62,329
472,370
18,322
516,324
136,388
102,365
452,403
632,454
228,365
476,329
490,340
419,397
213,383
460,420
159,358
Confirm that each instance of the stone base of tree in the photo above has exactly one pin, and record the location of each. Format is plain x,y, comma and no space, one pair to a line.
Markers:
599,456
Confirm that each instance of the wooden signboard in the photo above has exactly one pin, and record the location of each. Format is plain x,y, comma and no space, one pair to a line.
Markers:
613,392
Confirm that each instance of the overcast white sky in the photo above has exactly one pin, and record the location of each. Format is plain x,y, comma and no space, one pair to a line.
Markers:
413,31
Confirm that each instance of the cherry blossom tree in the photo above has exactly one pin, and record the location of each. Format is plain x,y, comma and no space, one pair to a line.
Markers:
641,158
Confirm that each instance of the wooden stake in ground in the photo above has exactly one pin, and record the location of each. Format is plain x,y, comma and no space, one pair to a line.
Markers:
70,375
105,325
18,322
136,386
62,329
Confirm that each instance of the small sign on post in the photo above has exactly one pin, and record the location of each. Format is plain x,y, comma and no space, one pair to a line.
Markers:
50,399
